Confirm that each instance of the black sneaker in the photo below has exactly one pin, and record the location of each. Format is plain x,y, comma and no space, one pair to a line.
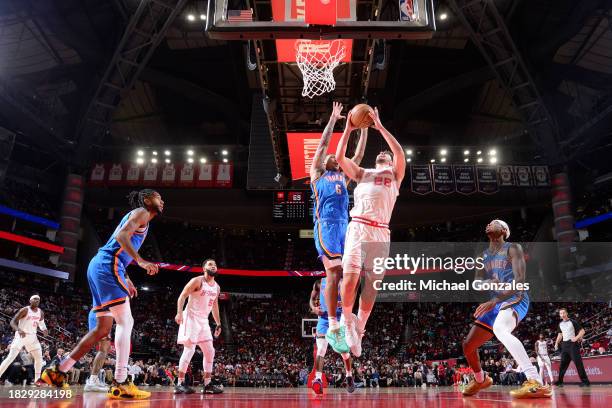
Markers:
585,384
183,389
350,384
212,389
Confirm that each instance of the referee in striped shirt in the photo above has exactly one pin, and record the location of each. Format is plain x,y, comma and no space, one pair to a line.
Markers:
570,334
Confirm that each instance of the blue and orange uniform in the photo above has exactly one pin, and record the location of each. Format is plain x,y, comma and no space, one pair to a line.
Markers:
106,271
499,266
323,321
330,214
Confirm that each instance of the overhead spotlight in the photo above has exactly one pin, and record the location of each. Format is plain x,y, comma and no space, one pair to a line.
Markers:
167,161
154,160
479,160
144,288
443,16
479,152
409,152
466,152
443,152
202,160
224,160
190,17
140,160
167,152
409,160
432,161
189,152
154,152
466,160
202,17
190,160
493,160
224,152
492,152
140,153
443,160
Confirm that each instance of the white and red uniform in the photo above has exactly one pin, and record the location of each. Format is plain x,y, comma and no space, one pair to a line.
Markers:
543,359
368,235
195,328
28,324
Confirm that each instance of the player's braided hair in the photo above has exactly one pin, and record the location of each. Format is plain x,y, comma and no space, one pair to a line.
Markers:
136,198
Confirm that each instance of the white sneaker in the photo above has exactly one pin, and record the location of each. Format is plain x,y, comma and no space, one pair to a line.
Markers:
356,346
95,385
351,337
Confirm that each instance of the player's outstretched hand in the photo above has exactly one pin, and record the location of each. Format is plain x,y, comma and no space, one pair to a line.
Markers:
349,125
376,119
178,318
150,267
217,331
21,333
484,308
337,111
317,310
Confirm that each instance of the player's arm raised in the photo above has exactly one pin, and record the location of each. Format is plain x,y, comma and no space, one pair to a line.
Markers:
138,218
15,320
348,166
191,286
399,159
217,317
41,325
313,296
318,167
360,150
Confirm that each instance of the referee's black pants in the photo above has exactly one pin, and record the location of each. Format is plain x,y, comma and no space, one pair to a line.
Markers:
571,352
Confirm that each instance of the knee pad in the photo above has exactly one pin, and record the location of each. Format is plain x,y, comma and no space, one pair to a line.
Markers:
321,346
185,359
209,355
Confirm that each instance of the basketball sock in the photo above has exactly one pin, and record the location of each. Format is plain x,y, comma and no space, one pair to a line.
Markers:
123,333
349,374
66,364
38,363
333,323
318,375
206,381
363,316
502,328
347,312
479,376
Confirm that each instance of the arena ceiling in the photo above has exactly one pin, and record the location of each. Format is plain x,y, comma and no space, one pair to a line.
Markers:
194,90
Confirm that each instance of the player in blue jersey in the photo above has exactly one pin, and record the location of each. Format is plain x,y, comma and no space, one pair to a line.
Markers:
318,306
330,216
111,293
504,262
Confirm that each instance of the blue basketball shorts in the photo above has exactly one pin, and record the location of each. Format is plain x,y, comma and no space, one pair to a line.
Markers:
329,238
518,303
323,322
106,278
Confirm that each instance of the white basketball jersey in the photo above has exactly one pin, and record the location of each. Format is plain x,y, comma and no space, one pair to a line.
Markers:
202,300
542,347
375,195
29,323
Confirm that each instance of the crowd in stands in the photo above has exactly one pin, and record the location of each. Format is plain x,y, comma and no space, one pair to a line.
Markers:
26,198
262,343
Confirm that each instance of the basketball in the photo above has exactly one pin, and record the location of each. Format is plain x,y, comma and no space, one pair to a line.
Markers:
360,116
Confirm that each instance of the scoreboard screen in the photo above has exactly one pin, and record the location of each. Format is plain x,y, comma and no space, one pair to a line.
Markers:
290,206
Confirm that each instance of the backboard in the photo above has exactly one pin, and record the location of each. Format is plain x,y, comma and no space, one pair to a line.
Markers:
285,19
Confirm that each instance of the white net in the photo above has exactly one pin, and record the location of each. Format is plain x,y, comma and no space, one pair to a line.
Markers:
317,61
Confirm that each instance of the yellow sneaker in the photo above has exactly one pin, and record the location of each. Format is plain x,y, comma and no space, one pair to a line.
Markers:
54,377
473,387
532,389
126,390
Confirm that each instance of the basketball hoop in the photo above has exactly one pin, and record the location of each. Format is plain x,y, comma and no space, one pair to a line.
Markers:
317,61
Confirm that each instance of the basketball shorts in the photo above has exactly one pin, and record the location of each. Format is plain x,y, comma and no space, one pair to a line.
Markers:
364,243
329,238
518,303
30,342
323,322
194,329
106,278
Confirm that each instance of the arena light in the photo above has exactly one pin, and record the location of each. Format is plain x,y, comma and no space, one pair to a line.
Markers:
144,288
140,160
409,160
202,17
189,152
443,16
479,160
479,152
167,152
190,160
443,160
224,160
493,160
466,152
224,152
140,153
443,152
466,160
154,152
203,160
154,160
409,152
167,161
190,17
492,152
432,161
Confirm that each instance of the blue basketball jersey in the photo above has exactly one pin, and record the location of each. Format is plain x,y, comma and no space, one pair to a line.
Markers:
330,197
498,265
322,304
113,248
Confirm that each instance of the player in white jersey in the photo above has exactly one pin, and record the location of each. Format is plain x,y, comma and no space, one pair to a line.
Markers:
368,236
25,323
194,330
541,348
